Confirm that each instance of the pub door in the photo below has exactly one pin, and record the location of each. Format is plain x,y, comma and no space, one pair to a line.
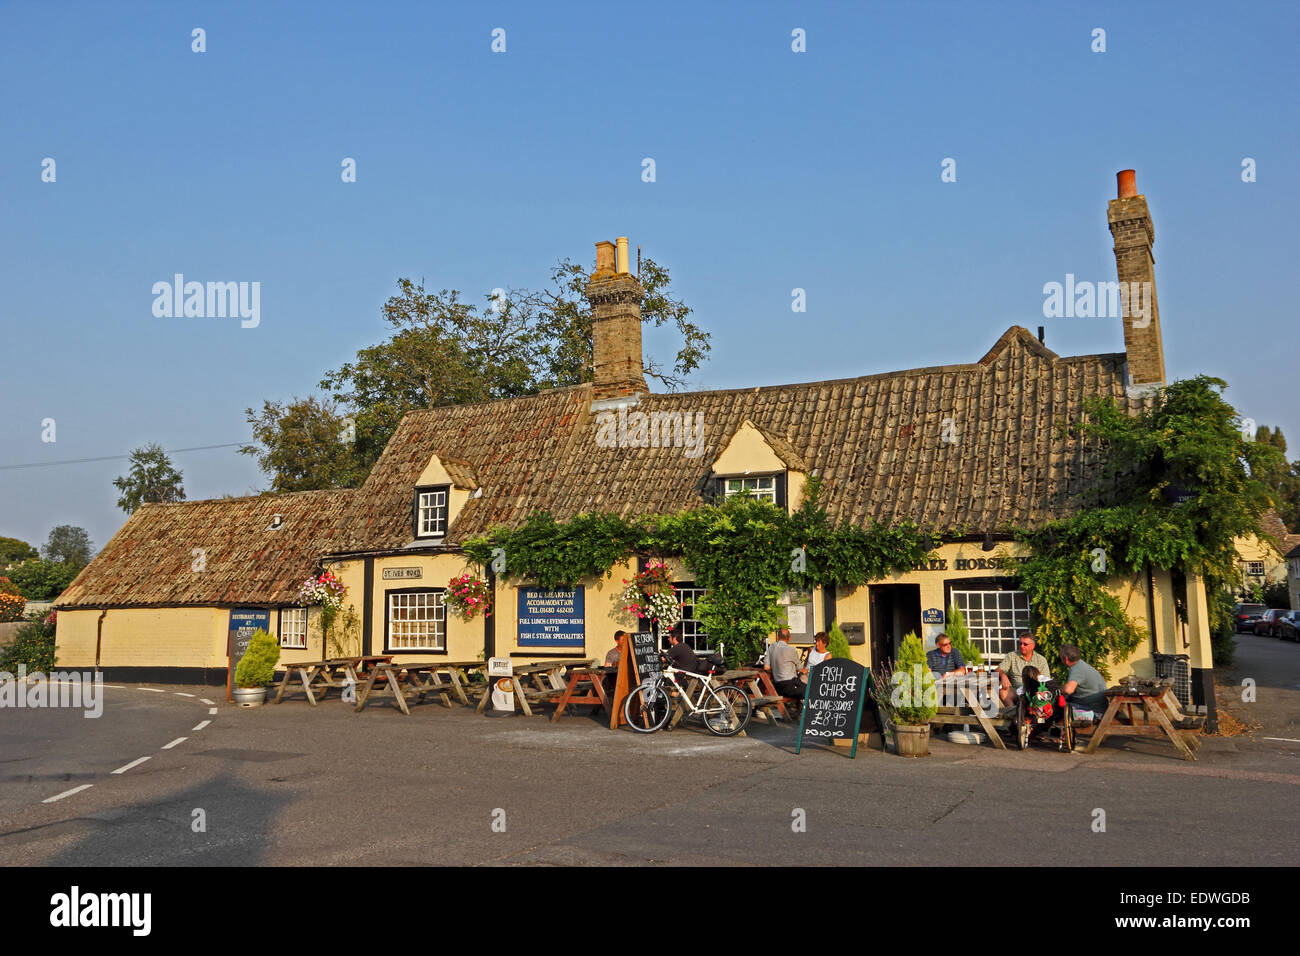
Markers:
895,611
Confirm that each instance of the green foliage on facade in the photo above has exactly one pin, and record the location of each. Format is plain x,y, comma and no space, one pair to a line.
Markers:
257,666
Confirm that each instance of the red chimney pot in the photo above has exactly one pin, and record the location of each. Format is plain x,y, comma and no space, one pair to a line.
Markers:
1127,179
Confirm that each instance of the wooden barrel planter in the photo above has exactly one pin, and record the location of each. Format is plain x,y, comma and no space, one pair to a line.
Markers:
913,739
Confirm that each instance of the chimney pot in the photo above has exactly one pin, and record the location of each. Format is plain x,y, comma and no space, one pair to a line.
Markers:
605,257
1127,180
621,260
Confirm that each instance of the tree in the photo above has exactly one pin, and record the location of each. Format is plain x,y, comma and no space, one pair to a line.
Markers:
42,580
447,352
12,551
70,545
151,480
305,444
1282,479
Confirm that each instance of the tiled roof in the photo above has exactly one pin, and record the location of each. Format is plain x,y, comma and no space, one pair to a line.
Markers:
1273,527
151,561
878,441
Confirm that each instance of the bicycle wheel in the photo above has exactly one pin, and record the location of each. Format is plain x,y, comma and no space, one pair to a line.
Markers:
1067,730
646,709
1022,725
727,714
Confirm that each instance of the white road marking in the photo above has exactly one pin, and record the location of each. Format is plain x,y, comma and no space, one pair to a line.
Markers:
180,693
133,763
212,710
152,690
204,700
1285,740
116,686
201,725
178,740
68,793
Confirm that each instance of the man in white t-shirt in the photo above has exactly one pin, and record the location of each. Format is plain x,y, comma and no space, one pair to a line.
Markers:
783,662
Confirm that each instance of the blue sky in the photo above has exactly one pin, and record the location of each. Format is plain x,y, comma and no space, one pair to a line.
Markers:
774,170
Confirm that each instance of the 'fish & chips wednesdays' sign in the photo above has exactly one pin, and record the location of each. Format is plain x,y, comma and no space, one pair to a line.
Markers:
551,618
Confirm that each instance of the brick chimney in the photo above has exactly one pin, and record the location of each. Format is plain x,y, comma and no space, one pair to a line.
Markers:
615,297
1130,225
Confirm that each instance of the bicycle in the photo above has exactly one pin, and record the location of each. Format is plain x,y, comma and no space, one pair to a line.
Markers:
725,713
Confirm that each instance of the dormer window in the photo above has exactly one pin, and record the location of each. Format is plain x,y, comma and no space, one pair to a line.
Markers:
431,511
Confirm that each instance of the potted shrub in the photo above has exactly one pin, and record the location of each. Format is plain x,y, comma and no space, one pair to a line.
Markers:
838,645
913,699
959,634
256,669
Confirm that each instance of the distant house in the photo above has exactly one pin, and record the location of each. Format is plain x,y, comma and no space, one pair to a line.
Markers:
968,450
1263,557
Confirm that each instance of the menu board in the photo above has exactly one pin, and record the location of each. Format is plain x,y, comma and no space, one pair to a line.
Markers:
551,618
244,623
832,707
646,652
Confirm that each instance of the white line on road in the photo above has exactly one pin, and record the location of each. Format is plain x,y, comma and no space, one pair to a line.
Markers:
152,690
68,793
202,725
116,686
212,710
1285,740
204,700
181,693
178,740
133,763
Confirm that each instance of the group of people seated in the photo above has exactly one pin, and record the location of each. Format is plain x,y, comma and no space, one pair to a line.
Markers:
1084,687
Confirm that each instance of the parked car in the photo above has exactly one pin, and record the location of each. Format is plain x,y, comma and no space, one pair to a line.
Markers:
1288,626
1267,624
1247,614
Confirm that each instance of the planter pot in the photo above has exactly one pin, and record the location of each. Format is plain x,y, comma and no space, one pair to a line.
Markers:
249,696
913,739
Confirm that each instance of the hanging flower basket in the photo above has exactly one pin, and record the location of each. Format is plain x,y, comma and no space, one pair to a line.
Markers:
468,595
650,596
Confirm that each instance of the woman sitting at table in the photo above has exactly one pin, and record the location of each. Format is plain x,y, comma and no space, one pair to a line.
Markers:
820,651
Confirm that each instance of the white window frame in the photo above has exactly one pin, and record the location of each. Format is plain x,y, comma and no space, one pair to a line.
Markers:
1250,566
751,485
431,513
996,638
693,633
414,614
289,628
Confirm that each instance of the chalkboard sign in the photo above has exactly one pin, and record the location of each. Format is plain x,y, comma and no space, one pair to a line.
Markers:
244,622
832,707
646,652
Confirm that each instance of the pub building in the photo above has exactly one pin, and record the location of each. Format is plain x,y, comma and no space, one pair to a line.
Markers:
964,450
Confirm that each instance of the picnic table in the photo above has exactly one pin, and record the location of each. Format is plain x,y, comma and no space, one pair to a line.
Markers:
962,695
319,676
757,684
594,679
406,682
1157,701
544,684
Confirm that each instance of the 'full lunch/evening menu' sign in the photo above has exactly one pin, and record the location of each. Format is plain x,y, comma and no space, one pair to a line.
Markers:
551,618
832,707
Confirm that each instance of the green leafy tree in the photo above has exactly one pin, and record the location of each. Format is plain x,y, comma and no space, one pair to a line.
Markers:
68,544
13,551
32,647
42,580
305,444
150,480
1281,477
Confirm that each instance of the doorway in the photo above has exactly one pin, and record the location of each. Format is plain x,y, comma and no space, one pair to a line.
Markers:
895,611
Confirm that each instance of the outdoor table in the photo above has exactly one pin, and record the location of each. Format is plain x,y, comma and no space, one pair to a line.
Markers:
963,691
320,676
420,680
757,683
540,693
1157,701
594,678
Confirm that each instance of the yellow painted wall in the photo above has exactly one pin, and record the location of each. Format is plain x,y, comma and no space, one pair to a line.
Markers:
748,453
144,637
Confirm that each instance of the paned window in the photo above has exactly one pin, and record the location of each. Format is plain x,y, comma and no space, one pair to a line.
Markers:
1255,569
995,620
763,487
293,627
693,634
431,513
417,621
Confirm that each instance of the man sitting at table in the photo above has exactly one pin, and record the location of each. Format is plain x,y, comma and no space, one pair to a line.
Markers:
943,659
1085,688
783,662
620,639
1013,666
682,657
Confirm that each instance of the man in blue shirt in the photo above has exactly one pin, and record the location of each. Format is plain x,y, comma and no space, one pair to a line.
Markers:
943,659
1084,687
